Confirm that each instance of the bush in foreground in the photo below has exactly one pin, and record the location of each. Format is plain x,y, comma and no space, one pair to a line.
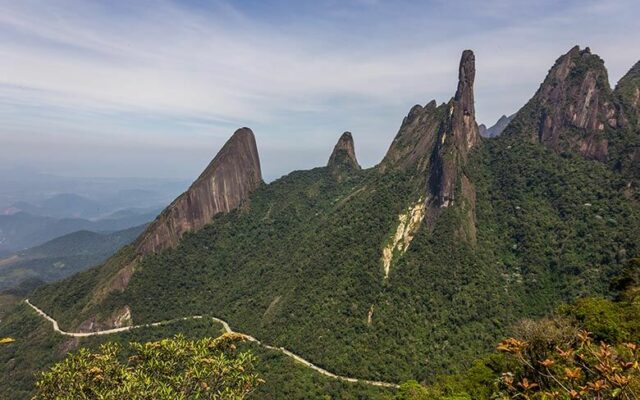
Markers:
174,368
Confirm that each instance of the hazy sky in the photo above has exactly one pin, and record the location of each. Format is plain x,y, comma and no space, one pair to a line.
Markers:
154,88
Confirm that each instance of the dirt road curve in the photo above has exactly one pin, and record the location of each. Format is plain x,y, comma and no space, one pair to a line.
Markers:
227,328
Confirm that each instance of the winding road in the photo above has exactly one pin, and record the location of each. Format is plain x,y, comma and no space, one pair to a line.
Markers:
227,329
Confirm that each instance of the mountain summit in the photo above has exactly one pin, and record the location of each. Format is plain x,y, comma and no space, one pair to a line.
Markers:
343,158
401,271
628,92
228,180
574,107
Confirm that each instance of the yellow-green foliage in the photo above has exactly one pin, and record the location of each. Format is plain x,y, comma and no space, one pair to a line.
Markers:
7,340
168,369
580,369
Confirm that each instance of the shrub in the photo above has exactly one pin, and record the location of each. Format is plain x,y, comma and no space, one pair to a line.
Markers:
174,368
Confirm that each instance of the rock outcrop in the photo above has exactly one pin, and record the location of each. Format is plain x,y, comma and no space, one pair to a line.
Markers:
435,142
228,180
414,142
627,145
459,136
573,109
447,181
343,158
627,93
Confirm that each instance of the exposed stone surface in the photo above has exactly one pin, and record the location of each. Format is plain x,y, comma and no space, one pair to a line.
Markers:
118,319
628,94
574,107
228,180
343,158
460,135
436,140
413,144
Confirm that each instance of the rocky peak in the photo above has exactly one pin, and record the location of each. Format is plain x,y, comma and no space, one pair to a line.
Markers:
628,94
343,158
412,145
447,178
497,128
227,181
435,141
463,120
573,108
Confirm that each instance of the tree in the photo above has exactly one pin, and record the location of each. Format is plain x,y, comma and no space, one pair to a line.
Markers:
174,368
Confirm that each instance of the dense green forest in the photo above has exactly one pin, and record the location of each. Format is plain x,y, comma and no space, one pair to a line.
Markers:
412,271
36,348
300,265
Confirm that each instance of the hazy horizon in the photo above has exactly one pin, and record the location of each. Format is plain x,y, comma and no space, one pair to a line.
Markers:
154,88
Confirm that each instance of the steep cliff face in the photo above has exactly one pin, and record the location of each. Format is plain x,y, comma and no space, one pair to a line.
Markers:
459,134
435,141
573,109
627,93
228,180
415,139
342,161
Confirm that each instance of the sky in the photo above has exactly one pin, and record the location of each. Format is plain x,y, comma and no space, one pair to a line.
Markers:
154,88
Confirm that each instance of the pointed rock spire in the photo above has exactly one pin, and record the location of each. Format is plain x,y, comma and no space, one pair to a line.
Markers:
456,140
229,179
457,137
464,127
343,158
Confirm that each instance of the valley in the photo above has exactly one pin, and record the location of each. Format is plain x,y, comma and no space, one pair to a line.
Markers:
406,273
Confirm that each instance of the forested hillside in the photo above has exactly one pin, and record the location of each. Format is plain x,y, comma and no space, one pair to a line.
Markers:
404,271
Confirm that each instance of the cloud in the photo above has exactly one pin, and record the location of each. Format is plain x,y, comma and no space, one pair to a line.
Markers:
157,74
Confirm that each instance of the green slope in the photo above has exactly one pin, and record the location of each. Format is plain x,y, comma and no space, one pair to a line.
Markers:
37,348
300,266
63,256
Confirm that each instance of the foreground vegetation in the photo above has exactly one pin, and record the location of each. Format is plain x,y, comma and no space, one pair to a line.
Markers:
168,369
299,266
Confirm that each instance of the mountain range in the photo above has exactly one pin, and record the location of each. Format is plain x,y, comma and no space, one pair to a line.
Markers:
405,270
63,256
497,128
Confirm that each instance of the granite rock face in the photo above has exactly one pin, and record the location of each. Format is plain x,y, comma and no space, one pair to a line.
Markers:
627,92
574,107
414,142
435,142
343,158
228,180
447,182
459,136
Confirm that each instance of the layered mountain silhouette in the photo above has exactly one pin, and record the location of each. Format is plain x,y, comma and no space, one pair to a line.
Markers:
497,128
413,267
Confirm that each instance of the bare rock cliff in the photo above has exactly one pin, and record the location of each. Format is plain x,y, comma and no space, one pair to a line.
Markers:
447,182
228,180
628,94
343,158
574,107
435,141
415,139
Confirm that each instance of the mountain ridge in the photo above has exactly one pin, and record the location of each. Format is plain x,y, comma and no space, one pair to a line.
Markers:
415,266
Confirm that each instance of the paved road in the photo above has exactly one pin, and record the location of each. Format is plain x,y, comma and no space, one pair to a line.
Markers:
227,329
